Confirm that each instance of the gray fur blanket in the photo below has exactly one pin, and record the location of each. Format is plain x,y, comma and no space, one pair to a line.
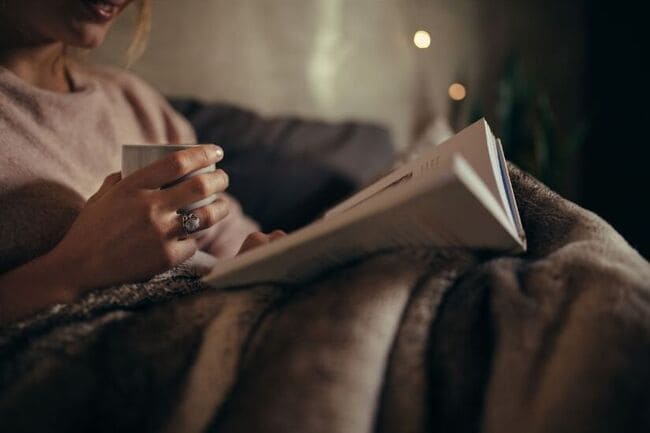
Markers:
557,340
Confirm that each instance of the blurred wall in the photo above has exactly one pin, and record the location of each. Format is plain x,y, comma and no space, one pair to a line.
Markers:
327,58
355,58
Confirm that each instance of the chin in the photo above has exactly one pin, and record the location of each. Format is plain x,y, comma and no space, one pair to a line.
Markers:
92,42
88,37
91,20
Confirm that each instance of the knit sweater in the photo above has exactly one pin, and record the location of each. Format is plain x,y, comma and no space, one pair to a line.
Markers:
57,148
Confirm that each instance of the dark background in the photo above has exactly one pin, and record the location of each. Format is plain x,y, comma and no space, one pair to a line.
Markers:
590,59
615,158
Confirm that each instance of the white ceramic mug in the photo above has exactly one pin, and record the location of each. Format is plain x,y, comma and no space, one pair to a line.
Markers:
136,156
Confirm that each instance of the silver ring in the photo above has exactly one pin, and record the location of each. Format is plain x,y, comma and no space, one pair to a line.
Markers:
190,222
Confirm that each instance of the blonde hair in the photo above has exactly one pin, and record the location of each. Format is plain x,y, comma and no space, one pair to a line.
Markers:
141,33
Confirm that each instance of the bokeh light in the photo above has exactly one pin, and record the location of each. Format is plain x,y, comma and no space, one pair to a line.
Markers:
422,39
457,92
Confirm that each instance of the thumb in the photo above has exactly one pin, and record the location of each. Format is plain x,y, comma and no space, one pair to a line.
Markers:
109,181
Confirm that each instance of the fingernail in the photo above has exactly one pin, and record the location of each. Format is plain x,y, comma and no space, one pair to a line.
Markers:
216,151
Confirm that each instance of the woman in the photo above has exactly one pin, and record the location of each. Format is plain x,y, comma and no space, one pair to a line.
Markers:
64,229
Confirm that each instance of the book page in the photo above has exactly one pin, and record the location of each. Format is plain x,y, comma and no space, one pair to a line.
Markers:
512,202
494,148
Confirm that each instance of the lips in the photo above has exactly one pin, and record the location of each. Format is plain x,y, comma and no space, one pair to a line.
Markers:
104,10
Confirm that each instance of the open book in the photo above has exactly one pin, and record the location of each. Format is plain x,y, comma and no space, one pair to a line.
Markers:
456,194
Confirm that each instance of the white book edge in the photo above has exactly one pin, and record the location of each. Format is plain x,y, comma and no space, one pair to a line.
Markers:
495,161
486,198
511,199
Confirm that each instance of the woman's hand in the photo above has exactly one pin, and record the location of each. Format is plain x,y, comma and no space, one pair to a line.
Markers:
258,238
129,230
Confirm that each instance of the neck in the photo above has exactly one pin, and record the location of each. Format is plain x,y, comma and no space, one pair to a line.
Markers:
41,66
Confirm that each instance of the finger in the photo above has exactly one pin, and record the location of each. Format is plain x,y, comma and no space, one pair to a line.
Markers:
253,240
179,251
208,216
174,166
276,234
109,182
194,189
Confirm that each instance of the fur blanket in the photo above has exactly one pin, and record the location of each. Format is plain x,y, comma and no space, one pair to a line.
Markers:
557,340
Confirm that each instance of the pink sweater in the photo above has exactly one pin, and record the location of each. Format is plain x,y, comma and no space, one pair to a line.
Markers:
56,149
